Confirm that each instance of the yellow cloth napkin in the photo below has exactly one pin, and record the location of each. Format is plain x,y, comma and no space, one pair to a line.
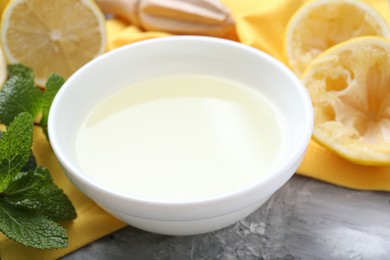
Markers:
260,23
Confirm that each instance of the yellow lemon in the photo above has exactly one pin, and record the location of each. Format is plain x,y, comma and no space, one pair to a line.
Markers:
349,85
320,24
52,36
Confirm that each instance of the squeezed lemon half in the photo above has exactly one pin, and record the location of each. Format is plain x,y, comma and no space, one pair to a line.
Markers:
320,24
349,85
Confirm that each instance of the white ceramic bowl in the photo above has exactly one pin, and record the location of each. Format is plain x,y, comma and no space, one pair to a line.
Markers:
175,55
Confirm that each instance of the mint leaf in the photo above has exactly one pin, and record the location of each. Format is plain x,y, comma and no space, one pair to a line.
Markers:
20,70
15,148
36,190
53,84
30,202
30,228
18,95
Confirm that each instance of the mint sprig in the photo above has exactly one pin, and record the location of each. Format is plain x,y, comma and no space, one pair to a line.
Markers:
31,205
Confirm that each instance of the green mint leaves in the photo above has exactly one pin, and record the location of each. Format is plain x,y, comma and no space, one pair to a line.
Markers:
31,204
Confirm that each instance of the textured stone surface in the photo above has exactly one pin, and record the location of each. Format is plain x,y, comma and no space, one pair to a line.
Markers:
306,219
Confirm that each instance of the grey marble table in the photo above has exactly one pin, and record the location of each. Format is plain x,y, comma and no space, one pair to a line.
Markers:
306,219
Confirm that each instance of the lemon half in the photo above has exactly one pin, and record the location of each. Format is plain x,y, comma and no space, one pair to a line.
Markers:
349,85
52,36
320,24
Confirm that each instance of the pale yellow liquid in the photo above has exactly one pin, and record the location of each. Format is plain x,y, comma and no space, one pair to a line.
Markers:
179,138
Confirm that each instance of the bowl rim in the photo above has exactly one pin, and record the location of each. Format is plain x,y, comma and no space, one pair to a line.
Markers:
286,165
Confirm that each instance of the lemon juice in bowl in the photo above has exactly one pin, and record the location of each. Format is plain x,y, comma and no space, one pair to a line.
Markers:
180,135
